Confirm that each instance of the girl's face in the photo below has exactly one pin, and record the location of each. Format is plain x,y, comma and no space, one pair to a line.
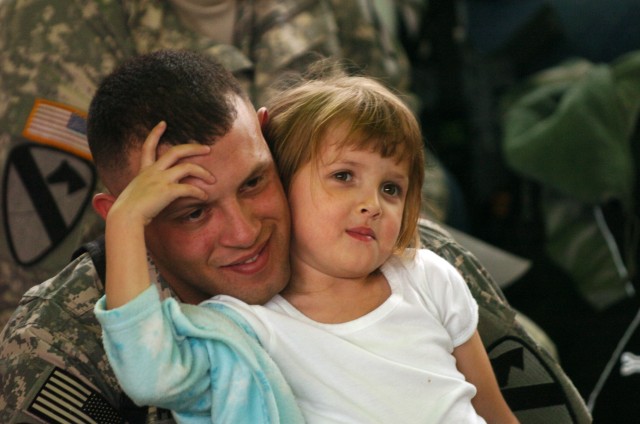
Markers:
346,210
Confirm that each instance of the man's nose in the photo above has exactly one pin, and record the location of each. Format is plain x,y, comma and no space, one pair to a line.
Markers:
240,227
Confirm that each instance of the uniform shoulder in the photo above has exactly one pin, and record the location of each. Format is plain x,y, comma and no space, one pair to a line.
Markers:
68,296
54,327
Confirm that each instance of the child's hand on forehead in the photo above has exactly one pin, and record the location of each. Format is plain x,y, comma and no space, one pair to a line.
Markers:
158,182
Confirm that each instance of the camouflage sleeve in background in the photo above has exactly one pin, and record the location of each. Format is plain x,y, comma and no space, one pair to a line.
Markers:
371,44
55,52
52,57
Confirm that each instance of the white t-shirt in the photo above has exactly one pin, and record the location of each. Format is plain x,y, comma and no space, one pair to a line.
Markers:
393,365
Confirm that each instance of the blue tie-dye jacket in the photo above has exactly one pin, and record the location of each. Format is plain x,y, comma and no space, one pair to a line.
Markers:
202,362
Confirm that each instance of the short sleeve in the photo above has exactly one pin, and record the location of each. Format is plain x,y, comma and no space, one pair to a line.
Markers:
448,292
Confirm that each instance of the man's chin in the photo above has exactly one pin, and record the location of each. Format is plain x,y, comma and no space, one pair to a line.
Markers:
260,295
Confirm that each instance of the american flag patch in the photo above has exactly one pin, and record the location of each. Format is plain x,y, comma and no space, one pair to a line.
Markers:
58,125
66,400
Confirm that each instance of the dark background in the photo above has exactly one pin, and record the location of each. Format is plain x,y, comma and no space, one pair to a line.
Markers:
468,55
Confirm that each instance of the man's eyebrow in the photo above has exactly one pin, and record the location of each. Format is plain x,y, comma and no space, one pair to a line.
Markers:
178,206
260,168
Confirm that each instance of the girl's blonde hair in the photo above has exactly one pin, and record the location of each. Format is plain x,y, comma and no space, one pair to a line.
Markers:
376,119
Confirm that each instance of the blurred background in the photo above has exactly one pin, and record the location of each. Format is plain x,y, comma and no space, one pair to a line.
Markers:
532,106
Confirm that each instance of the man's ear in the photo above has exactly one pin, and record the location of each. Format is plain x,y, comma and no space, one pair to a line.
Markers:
102,203
263,117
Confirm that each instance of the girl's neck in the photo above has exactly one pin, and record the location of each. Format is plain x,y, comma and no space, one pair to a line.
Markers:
333,300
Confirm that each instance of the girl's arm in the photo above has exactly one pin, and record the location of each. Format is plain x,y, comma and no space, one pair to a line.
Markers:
138,333
155,187
473,362
154,362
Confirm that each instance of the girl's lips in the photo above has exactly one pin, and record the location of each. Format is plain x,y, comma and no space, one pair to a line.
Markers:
362,233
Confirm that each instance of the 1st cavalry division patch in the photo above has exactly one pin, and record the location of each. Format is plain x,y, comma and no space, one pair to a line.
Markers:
48,182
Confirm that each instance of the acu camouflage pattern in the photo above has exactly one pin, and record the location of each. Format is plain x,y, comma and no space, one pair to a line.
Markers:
54,326
60,51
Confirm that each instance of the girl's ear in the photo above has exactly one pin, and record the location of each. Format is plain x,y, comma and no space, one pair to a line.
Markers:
102,203
263,116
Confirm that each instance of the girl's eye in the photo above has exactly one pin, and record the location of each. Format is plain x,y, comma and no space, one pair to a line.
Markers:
391,189
343,176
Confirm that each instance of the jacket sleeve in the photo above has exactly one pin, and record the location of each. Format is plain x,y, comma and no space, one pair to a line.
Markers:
153,362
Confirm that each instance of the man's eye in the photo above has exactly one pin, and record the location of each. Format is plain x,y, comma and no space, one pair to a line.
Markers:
343,176
391,189
194,215
253,182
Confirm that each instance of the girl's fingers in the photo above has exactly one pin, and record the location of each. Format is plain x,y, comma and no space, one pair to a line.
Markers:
151,144
171,156
184,170
182,176
188,190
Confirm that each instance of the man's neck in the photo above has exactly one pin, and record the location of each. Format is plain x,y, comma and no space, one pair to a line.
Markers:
212,18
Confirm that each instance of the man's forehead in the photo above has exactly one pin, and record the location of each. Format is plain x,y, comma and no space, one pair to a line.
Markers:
227,182
233,159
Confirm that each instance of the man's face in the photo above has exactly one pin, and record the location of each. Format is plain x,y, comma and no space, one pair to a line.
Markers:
237,242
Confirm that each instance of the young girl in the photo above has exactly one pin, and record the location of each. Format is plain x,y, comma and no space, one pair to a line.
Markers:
369,329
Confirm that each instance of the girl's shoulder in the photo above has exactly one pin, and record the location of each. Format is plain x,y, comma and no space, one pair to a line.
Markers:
421,261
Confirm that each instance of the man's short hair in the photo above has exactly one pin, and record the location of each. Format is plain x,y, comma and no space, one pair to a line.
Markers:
192,92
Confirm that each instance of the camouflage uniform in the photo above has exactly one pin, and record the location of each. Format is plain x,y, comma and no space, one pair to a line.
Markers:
54,332
54,54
